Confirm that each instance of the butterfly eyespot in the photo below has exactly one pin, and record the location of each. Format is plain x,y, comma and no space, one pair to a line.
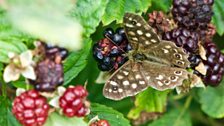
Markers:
172,78
133,22
166,82
114,88
178,56
178,72
180,62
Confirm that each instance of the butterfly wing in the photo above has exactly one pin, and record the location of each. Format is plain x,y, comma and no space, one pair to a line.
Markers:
169,53
162,77
140,34
126,81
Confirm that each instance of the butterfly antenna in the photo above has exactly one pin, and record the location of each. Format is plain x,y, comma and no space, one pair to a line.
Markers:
126,54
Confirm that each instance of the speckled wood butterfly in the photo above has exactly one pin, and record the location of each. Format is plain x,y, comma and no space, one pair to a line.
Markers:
153,62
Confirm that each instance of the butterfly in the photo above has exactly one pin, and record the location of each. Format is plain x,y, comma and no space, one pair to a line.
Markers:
153,62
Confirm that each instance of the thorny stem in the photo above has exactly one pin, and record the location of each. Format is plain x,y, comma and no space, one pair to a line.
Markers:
186,106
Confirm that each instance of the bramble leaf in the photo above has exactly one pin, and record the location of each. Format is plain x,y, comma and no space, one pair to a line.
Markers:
103,112
116,9
76,62
55,119
218,18
173,118
149,100
89,14
212,101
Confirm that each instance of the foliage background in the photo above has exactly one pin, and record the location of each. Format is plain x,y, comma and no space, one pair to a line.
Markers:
22,22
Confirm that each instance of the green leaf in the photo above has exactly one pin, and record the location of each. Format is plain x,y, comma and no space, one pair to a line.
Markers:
116,9
218,18
12,120
114,117
6,117
89,14
212,101
57,120
163,5
10,39
149,100
173,117
76,62
47,20
6,47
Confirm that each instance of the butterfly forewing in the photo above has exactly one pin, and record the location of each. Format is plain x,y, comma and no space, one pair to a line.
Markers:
139,33
126,81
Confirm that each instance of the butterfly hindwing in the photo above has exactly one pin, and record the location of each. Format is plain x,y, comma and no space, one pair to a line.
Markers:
162,77
169,53
126,81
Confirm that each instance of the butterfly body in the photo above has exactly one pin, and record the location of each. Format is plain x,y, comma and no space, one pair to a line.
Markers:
152,63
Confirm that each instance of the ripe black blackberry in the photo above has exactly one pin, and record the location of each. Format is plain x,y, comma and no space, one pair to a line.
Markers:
183,37
208,33
51,52
214,64
109,51
159,22
192,13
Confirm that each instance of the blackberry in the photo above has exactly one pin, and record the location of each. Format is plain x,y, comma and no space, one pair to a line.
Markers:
214,64
49,75
109,52
192,14
194,60
51,52
159,22
49,69
30,108
208,33
73,102
183,37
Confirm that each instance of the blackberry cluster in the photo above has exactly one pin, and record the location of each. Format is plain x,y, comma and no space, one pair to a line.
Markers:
159,22
73,102
183,38
110,51
30,108
214,64
192,14
49,70
101,122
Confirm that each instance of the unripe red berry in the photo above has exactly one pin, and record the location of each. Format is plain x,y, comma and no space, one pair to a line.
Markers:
30,108
73,101
100,123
